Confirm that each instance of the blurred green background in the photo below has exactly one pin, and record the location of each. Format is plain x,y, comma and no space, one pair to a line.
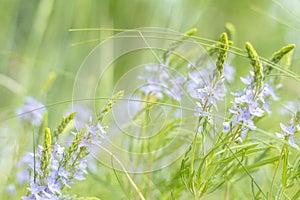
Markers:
36,43
35,38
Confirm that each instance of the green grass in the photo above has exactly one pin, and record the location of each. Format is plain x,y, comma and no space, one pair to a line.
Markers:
65,52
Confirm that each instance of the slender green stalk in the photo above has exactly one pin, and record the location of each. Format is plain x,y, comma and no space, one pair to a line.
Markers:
275,172
141,196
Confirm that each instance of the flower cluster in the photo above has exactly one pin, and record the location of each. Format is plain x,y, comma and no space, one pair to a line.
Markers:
250,103
55,167
201,83
207,86
288,132
161,82
32,111
253,101
50,186
207,89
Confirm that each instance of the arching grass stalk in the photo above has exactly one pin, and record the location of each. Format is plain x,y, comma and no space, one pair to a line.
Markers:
193,149
141,196
143,133
276,170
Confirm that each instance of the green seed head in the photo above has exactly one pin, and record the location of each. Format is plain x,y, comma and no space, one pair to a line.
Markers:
257,66
191,32
47,139
105,110
63,124
277,56
223,51
230,30
46,155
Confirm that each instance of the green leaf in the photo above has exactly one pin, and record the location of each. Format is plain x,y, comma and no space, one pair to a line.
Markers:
259,164
296,196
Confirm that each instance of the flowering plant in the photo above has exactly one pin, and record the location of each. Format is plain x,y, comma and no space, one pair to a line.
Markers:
184,131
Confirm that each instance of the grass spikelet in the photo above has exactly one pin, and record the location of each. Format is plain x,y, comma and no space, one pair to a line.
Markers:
109,105
223,51
46,154
177,43
63,124
277,56
74,145
230,30
257,66
43,126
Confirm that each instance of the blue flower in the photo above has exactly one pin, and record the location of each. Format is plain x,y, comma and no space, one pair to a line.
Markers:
32,112
37,192
250,103
81,169
95,130
207,89
196,79
288,132
229,72
210,93
242,115
226,127
11,189
59,176
161,82
53,185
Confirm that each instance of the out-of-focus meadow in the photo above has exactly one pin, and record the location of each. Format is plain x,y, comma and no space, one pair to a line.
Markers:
44,43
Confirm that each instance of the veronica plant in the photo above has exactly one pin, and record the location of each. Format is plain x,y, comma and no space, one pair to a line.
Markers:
55,166
223,151
248,106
